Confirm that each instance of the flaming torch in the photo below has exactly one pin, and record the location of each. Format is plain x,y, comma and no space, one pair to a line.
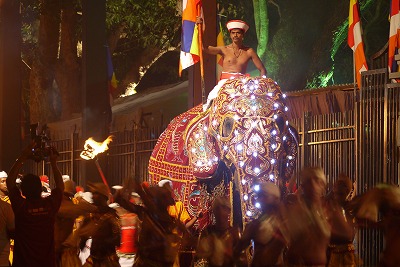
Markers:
91,149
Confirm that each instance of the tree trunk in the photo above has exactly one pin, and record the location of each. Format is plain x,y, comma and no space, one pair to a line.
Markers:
42,94
68,69
262,26
135,73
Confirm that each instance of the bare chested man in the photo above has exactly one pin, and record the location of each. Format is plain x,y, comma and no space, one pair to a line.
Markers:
235,56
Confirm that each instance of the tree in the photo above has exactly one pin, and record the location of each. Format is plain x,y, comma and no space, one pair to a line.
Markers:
139,33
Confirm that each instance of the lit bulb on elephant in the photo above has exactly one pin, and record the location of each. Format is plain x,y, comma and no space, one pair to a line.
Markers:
205,128
257,187
193,150
271,177
252,97
241,164
273,146
248,213
290,157
239,147
286,108
284,137
284,95
197,135
255,154
287,122
273,161
258,205
256,81
225,147
243,183
273,132
236,117
275,116
216,159
256,170
276,105
245,197
254,108
270,94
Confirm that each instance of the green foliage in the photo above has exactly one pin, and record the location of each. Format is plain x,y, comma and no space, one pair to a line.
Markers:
146,23
322,80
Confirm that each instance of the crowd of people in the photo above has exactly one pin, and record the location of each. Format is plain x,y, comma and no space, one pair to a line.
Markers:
148,226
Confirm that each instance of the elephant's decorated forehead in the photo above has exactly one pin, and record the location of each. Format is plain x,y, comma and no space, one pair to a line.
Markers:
248,97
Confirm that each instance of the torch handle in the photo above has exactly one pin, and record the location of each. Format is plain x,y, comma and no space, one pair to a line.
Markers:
103,178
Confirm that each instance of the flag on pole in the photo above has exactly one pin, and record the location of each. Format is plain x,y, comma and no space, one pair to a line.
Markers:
220,42
111,78
190,49
394,35
354,40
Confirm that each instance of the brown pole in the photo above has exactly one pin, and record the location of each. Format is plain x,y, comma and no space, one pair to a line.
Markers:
103,177
203,89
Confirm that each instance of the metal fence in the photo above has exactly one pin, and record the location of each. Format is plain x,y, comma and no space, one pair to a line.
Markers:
363,143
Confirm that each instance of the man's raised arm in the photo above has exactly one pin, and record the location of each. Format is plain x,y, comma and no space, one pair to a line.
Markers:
57,174
13,173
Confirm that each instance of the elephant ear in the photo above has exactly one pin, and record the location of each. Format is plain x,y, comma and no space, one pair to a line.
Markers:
202,149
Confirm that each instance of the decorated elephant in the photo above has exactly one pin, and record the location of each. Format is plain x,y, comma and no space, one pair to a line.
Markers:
241,140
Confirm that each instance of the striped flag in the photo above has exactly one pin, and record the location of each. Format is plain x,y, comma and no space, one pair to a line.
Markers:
355,42
190,49
394,35
220,42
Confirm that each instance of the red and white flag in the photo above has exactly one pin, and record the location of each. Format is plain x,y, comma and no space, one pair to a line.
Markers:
394,35
354,39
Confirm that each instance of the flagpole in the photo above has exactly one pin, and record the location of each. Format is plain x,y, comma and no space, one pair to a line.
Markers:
203,92
354,70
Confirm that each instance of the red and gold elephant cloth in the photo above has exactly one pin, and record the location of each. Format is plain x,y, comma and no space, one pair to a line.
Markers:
170,160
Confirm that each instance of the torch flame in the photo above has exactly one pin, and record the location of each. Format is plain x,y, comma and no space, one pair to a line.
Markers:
92,148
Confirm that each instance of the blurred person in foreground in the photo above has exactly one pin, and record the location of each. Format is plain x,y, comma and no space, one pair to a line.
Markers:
129,229
159,239
265,231
383,200
34,215
7,227
70,209
178,210
4,197
306,227
341,251
103,227
216,242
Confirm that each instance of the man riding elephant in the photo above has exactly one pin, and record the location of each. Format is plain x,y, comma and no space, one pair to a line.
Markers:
235,56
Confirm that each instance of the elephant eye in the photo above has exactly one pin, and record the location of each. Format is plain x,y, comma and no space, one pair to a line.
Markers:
227,126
